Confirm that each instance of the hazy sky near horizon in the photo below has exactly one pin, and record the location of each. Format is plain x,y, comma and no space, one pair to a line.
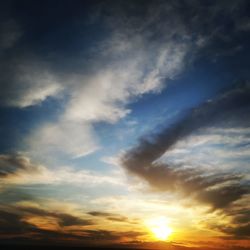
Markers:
116,115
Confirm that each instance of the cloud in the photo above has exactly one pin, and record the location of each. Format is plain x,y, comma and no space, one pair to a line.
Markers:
104,94
16,164
98,213
14,225
121,69
141,49
10,33
144,47
52,137
109,216
240,231
63,219
239,218
219,190
138,54
29,84
36,225
207,148
19,170
11,223
112,235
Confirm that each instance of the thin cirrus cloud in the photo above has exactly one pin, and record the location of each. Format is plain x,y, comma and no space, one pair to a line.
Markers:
19,170
208,148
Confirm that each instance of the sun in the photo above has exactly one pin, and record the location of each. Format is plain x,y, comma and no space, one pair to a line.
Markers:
160,228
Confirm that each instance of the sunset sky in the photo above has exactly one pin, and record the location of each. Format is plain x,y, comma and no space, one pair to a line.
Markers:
125,123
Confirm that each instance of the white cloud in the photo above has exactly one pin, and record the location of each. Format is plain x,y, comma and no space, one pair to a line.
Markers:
99,97
123,68
64,175
103,96
19,170
29,85
72,138
38,88
210,148
138,56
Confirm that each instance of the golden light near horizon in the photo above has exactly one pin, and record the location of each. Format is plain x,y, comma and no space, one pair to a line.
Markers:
159,228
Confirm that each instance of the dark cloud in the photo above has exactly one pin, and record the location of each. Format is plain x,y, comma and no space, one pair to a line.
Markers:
12,223
100,214
109,216
239,227
62,218
239,231
10,33
118,218
223,196
12,164
13,226
69,220
226,110
112,235
214,26
102,234
241,216
15,230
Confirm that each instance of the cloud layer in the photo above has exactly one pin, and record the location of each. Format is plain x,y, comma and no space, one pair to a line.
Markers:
34,224
139,55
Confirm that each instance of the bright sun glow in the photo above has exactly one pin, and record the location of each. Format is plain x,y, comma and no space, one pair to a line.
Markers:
159,227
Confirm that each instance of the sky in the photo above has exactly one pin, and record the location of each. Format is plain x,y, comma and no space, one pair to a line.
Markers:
125,123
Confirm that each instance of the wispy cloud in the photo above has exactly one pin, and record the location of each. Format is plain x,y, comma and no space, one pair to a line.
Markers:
19,170
10,33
